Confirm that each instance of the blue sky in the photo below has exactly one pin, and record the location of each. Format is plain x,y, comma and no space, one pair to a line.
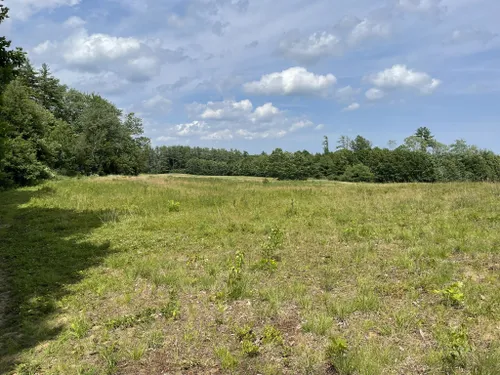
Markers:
259,74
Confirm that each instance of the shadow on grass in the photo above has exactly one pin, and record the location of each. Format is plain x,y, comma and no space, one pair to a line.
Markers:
42,251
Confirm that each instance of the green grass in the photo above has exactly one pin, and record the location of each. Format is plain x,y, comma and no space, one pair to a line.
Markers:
178,274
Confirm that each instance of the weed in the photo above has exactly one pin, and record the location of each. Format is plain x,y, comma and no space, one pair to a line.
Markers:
292,209
137,352
337,353
28,369
266,264
318,324
172,309
109,355
227,360
272,335
79,328
155,340
245,333
236,283
173,206
453,295
270,257
250,348
455,346
128,321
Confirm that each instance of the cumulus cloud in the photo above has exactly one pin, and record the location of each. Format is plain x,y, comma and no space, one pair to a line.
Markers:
293,81
44,47
158,104
352,107
301,125
199,128
74,22
311,48
368,29
346,94
23,9
266,112
374,94
134,59
399,76
221,111
231,119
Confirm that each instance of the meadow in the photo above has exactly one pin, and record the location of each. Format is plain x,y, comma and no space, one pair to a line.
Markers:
189,275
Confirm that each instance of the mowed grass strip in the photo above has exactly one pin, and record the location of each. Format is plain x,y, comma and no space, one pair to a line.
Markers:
184,275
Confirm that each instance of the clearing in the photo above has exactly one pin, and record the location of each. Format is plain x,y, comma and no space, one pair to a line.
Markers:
181,275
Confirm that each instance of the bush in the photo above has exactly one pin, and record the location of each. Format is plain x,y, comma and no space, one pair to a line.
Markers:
358,173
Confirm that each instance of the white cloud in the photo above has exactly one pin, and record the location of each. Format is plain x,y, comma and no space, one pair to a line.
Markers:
293,81
23,9
193,128
374,94
219,135
312,48
158,103
128,57
399,76
222,111
346,93
74,22
231,119
368,29
470,34
44,47
301,125
84,49
319,127
352,107
266,112
249,135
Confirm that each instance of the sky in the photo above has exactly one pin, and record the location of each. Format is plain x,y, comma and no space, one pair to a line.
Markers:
258,74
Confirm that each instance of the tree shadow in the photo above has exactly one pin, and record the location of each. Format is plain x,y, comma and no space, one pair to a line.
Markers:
42,251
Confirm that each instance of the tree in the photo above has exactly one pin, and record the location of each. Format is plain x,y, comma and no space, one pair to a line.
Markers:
392,144
50,92
344,143
423,140
326,148
358,173
360,144
10,60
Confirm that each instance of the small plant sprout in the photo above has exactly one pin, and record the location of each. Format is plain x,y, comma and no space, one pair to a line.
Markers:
453,295
173,206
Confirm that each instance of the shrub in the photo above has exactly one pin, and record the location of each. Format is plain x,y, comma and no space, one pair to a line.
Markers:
358,173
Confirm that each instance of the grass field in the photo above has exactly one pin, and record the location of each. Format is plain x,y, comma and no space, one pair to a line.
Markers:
183,275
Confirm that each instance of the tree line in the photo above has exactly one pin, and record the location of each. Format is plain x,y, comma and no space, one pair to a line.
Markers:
420,158
48,129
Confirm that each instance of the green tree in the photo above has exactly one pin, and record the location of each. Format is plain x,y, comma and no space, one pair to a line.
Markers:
326,148
358,173
10,60
360,144
344,143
